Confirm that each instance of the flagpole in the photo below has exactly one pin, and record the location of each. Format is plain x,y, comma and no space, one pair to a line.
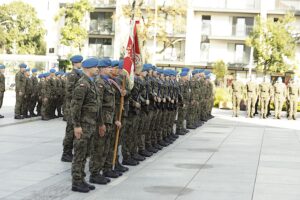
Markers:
121,107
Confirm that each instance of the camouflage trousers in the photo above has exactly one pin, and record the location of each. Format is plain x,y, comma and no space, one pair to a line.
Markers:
147,129
141,129
278,103
264,102
32,104
69,137
251,101
26,104
1,98
39,106
153,127
293,103
182,111
110,152
81,152
59,104
45,110
131,135
100,147
19,103
236,100
159,125
191,115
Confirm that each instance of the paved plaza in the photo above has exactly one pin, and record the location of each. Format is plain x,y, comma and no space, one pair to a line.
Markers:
225,159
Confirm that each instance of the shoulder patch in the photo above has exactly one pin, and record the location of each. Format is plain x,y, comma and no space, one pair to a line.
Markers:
82,85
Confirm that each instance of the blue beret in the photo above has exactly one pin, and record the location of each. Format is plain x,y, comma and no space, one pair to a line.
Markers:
41,76
105,62
27,69
206,72
167,72
52,70
194,72
115,63
46,74
2,66
34,70
57,73
153,67
121,64
147,67
90,62
184,73
22,65
159,71
185,69
76,59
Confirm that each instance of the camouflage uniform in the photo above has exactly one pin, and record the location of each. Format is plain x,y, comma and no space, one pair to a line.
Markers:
2,88
265,94
237,92
45,95
59,92
279,98
182,110
34,95
39,96
27,97
20,81
85,112
252,92
293,95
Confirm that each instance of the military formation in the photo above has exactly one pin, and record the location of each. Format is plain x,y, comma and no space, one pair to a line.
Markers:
146,116
264,94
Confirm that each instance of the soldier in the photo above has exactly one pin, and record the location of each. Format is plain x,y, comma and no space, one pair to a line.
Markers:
39,94
265,93
86,117
293,96
183,102
60,92
20,81
34,95
252,92
45,97
237,92
2,86
54,93
71,80
27,95
279,97
63,97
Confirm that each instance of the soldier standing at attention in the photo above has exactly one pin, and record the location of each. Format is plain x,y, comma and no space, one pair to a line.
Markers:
237,92
20,81
34,95
252,92
293,95
2,85
279,97
71,80
39,94
265,95
28,93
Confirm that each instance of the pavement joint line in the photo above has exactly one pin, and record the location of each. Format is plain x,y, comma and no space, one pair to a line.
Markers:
258,162
213,153
20,122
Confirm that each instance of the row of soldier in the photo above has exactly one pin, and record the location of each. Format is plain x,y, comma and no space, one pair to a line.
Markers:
149,112
265,93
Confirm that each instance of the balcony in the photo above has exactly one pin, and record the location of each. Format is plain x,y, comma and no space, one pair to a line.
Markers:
247,6
241,31
238,33
104,3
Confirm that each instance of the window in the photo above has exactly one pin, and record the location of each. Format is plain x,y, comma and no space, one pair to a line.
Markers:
51,50
100,47
206,27
101,23
239,53
275,19
204,51
242,26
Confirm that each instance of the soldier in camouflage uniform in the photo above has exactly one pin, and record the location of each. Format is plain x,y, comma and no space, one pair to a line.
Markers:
39,93
86,118
293,96
71,81
265,93
45,96
59,92
279,97
20,81
2,86
63,96
237,92
27,94
191,123
34,95
252,93
54,93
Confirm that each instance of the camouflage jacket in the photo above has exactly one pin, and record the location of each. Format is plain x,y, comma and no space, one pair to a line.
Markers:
28,87
72,79
2,82
86,105
35,82
20,81
108,103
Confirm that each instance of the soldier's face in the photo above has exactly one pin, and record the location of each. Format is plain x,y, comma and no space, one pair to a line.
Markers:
2,71
94,71
77,65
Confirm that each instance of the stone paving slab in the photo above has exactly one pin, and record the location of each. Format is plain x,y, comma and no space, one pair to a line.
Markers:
225,159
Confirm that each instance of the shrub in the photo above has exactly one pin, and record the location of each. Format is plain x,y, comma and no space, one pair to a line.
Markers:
221,94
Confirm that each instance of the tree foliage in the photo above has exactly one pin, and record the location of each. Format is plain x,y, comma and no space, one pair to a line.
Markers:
21,31
220,69
73,33
168,14
274,45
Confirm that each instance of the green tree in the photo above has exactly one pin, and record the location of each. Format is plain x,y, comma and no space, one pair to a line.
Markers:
21,31
73,33
167,15
220,69
274,44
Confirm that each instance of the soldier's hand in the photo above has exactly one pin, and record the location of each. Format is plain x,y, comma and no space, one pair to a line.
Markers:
78,132
102,130
158,99
164,100
137,105
155,98
172,101
45,99
20,93
123,93
118,124
147,102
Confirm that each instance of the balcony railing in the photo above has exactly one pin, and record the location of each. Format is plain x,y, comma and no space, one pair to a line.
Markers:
242,31
104,27
228,4
103,3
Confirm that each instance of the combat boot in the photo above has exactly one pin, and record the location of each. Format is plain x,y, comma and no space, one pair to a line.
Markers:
118,173
152,149
130,162
174,136
98,179
162,143
80,187
186,131
91,187
121,168
1,116
138,157
191,127
19,117
111,174
145,153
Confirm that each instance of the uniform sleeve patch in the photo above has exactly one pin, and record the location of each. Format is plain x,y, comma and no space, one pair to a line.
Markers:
82,85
